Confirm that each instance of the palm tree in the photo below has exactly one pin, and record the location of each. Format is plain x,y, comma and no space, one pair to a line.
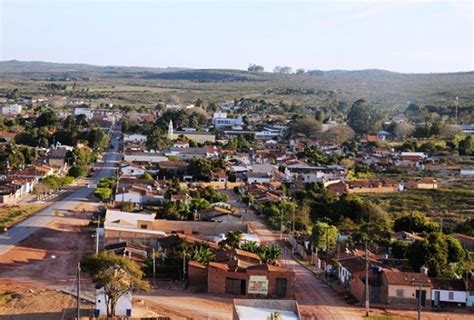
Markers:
232,240
250,246
269,255
201,252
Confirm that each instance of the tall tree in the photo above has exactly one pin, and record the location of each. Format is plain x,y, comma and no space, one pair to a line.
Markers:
364,118
117,275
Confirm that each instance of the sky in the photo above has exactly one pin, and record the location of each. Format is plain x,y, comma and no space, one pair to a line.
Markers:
403,36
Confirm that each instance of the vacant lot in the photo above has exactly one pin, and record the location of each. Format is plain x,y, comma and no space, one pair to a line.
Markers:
453,201
48,258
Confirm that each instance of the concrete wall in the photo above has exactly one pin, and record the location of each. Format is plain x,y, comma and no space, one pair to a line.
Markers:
284,305
204,228
373,190
409,294
459,296
215,184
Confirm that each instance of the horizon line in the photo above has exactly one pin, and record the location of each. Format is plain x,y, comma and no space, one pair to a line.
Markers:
234,69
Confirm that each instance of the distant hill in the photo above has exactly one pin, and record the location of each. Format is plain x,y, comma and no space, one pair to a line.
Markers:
387,89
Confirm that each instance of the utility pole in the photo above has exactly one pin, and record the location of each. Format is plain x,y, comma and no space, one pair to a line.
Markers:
327,251
78,302
366,280
184,265
97,238
281,225
293,232
457,105
418,317
154,267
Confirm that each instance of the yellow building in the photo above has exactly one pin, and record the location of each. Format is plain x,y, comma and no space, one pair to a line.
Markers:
196,136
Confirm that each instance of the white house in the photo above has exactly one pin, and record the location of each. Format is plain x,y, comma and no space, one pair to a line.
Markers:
138,156
348,267
131,170
138,195
85,111
220,120
447,291
134,138
258,177
123,307
13,109
467,172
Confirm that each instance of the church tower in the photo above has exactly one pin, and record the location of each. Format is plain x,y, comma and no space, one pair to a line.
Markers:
170,130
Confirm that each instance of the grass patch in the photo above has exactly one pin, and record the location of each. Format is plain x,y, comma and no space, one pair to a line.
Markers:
5,298
12,215
456,202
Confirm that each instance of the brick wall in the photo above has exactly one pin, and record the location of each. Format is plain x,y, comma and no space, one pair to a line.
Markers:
197,276
216,280
357,288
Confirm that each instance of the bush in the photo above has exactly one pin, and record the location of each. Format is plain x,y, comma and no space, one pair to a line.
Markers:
68,180
77,171
103,194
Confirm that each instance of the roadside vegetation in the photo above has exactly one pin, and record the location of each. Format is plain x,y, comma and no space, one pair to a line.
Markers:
13,214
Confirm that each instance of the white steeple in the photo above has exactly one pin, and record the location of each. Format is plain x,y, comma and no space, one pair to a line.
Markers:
170,130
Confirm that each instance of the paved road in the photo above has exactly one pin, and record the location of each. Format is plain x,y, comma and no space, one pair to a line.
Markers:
79,193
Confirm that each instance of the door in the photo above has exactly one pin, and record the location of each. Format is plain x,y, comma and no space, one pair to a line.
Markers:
436,300
243,287
232,286
423,296
280,289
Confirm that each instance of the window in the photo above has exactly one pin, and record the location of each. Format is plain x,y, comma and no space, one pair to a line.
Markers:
400,293
143,226
451,295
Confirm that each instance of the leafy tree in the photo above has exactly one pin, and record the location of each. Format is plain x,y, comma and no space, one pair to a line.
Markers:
77,171
466,146
300,71
255,68
314,155
412,109
456,252
199,204
399,249
81,157
104,194
432,252
269,254
338,134
364,118
306,126
403,130
117,275
46,119
147,176
98,139
11,156
466,227
283,70
53,182
250,246
200,252
232,240
416,222
157,141
200,169
324,236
